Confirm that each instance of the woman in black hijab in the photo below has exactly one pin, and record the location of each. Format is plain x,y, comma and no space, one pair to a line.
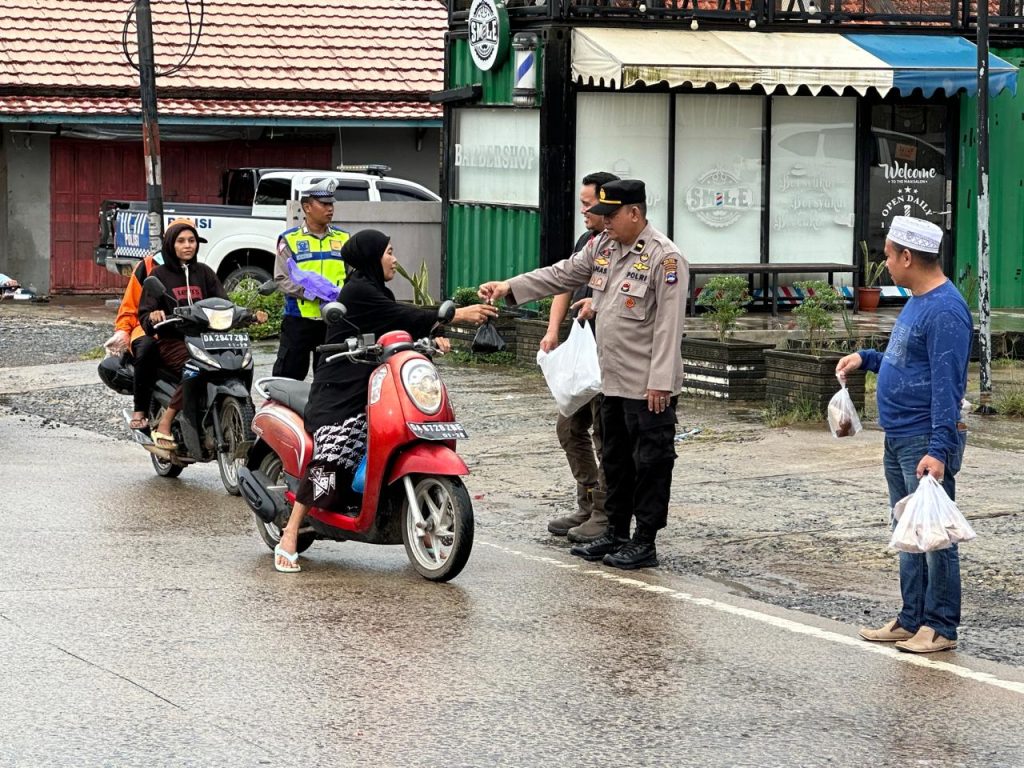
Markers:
336,412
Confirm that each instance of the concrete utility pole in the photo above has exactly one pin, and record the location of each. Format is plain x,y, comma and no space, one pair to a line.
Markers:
984,278
150,129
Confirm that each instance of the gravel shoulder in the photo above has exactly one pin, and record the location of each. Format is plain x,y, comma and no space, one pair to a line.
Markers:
789,516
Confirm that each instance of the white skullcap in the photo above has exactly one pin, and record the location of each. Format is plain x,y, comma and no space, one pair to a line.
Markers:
917,234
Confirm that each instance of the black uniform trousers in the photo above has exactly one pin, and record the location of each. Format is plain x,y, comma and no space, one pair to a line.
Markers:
638,454
146,360
300,336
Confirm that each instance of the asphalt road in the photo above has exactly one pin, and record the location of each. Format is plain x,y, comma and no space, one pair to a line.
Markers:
141,623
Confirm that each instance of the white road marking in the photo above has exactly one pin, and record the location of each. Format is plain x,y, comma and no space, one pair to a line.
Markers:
775,621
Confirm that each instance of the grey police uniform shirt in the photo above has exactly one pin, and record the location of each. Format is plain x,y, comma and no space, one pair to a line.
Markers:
640,301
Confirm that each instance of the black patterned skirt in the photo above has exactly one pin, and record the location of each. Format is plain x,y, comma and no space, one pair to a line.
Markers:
337,451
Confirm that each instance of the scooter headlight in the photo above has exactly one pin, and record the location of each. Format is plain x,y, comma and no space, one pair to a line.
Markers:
201,354
247,359
423,385
219,319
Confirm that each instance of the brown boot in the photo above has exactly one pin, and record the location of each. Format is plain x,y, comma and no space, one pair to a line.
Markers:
560,525
586,532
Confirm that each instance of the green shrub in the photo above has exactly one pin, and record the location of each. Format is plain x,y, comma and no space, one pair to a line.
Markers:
465,296
726,297
1011,403
246,294
420,282
814,314
544,308
782,414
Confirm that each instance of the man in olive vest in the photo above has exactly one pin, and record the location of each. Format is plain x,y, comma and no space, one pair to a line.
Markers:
309,270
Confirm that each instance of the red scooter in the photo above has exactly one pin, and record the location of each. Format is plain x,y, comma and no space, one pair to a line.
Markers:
412,492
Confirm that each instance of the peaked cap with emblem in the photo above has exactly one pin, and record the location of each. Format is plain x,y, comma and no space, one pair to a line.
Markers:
616,194
322,190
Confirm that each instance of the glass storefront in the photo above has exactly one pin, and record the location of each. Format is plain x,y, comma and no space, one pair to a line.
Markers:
907,168
497,157
730,204
813,174
626,134
718,176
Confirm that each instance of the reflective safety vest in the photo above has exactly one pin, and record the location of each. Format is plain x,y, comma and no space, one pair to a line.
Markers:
317,254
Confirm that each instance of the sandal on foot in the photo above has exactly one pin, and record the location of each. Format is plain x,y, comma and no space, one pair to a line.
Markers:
139,422
165,441
292,558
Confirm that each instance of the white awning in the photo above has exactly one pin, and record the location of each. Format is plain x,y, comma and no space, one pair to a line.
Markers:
620,58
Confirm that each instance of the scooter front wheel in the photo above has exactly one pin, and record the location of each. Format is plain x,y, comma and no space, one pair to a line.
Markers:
235,420
441,550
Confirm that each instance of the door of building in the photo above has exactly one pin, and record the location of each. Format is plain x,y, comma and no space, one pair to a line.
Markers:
84,173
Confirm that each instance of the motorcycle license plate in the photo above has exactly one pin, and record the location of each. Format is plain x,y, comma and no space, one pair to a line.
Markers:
438,430
226,340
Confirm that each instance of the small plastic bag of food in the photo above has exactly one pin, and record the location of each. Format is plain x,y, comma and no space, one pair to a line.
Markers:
842,415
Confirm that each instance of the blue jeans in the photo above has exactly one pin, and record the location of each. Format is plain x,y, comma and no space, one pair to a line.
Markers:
930,582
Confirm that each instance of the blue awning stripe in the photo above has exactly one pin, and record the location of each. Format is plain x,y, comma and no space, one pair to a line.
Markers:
932,63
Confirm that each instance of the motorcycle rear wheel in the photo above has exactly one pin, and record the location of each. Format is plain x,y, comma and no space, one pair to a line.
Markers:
441,552
235,424
271,466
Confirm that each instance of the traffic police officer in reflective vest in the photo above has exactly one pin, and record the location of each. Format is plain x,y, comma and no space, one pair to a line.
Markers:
639,280
309,271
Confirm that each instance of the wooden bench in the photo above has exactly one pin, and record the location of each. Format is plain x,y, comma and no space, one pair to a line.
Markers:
772,271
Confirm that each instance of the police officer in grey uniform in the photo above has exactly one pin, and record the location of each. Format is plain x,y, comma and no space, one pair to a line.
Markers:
639,281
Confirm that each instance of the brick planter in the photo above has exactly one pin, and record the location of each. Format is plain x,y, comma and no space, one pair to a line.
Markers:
529,332
461,334
731,370
792,377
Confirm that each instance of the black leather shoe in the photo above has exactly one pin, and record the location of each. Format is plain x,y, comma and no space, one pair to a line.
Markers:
635,554
603,545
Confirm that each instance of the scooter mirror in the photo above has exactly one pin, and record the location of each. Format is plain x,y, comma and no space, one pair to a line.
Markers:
268,288
334,312
154,286
446,312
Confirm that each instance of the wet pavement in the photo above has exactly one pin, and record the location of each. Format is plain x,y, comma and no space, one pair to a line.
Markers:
141,622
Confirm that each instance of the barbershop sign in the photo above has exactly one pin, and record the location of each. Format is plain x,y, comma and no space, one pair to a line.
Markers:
488,33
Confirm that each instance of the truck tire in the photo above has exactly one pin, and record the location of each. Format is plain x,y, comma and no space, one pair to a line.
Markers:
258,274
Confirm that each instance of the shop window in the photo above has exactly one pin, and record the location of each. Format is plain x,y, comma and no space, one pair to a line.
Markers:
718,177
497,156
812,180
626,134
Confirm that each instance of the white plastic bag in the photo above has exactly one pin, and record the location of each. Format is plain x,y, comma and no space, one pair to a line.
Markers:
928,520
842,414
571,370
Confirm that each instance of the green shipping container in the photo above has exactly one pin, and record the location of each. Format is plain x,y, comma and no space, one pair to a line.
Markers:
490,243
1006,192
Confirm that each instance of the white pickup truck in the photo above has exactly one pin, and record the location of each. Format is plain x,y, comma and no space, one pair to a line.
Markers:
242,232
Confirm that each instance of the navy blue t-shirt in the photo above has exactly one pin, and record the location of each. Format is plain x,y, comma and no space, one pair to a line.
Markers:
922,376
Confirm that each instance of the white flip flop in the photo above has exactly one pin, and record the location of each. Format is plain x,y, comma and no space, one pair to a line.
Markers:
292,558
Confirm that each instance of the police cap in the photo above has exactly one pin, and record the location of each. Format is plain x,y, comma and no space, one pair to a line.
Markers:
322,190
615,194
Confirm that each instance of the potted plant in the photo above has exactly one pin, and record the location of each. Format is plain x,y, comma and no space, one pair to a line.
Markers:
869,294
808,375
724,367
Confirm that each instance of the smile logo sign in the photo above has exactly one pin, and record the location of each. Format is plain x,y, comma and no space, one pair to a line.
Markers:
488,33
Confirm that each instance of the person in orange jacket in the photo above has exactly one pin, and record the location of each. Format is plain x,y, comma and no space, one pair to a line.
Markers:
128,334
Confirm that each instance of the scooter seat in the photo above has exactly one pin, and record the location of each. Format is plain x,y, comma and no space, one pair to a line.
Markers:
293,394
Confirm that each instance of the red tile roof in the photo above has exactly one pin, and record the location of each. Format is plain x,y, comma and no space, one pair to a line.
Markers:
341,51
38,106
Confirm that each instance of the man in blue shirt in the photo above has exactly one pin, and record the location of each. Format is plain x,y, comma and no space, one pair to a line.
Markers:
922,378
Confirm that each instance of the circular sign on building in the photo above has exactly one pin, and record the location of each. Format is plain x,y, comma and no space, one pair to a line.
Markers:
488,33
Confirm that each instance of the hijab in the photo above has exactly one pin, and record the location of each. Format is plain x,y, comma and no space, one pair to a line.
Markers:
170,257
363,252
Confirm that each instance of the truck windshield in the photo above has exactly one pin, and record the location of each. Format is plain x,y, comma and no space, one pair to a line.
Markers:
273,191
